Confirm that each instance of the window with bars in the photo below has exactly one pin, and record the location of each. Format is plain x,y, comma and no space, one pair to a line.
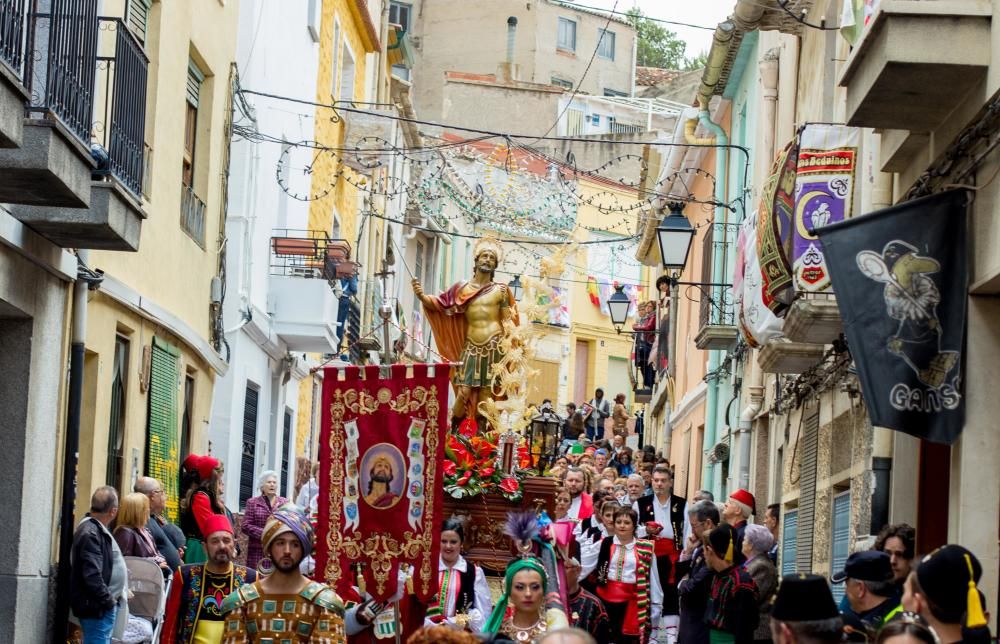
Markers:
116,428
606,44
248,455
566,37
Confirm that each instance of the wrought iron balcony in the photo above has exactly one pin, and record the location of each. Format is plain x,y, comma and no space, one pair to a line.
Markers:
120,126
717,314
306,268
193,215
13,94
73,177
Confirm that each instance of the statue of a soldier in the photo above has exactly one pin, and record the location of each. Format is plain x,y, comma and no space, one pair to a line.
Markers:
467,321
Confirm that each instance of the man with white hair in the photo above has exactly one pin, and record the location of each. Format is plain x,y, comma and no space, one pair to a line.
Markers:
736,512
634,486
258,511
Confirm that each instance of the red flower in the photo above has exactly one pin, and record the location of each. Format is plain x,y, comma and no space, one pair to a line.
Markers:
468,428
510,485
450,469
486,472
465,479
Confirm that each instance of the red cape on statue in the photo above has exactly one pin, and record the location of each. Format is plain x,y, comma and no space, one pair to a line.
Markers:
446,315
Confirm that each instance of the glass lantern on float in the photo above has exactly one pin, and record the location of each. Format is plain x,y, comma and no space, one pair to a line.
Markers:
516,288
543,438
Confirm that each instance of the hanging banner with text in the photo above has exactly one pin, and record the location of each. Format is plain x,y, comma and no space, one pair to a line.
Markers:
824,194
379,506
901,279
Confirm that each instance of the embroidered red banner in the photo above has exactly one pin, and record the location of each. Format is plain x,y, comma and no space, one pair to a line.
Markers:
381,445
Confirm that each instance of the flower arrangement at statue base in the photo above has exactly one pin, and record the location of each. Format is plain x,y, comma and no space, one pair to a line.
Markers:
470,468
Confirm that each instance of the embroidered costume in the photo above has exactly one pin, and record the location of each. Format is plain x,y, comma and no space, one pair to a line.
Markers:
194,608
314,615
629,583
462,591
732,606
587,612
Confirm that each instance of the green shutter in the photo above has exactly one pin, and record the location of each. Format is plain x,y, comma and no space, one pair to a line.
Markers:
162,445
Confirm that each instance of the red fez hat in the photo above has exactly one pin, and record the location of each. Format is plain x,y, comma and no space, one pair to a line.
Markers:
205,466
217,523
746,499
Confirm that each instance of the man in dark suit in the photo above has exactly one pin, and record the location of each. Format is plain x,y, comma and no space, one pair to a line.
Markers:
695,576
157,525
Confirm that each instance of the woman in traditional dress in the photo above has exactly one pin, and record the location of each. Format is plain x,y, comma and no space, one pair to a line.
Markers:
627,579
200,503
463,599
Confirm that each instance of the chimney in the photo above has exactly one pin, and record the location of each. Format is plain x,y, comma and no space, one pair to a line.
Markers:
507,71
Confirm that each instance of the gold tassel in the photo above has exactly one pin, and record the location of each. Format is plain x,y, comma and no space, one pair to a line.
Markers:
974,616
729,550
409,579
361,582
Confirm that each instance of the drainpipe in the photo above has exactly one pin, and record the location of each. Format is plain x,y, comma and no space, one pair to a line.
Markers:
381,91
713,72
71,449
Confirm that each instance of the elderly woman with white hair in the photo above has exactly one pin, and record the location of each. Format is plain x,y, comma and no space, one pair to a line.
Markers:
256,514
757,541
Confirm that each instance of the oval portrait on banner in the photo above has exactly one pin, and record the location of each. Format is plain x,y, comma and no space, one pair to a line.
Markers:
383,476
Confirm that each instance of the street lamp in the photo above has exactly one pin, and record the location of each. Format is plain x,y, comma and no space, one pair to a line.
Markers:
516,288
675,235
618,307
543,437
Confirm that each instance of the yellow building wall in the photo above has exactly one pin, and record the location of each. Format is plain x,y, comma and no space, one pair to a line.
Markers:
170,269
588,323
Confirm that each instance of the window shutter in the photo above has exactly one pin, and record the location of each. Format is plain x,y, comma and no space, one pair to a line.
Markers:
116,428
789,536
807,488
249,453
841,528
138,18
286,440
162,449
194,80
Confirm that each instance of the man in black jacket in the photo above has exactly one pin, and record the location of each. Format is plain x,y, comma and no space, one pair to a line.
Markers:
96,578
694,588
157,524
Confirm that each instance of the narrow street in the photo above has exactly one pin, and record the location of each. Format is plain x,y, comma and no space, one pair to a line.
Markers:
640,322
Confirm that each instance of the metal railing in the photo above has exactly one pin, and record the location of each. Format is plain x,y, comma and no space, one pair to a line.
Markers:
13,30
120,127
193,215
64,84
716,301
310,254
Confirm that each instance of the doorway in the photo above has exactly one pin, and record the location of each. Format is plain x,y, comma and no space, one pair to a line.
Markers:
580,372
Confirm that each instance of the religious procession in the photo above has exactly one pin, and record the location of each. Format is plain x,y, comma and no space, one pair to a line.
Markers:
527,321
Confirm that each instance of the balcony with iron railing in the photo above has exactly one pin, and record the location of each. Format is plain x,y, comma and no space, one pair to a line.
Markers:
717,311
13,94
306,269
77,174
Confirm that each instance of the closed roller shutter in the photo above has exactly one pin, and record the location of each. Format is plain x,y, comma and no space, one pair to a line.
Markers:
841,529
162,444
807,488
789,541
545,384
249,452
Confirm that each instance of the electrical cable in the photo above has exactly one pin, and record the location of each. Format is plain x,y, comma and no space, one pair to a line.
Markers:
641,16
801,19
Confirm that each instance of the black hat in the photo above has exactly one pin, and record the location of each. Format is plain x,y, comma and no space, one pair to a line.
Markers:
867,565
947,578
803,598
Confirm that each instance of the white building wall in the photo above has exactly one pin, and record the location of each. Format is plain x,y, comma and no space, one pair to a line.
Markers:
276,54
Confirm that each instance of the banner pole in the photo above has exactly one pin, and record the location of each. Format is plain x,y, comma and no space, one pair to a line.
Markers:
395,616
